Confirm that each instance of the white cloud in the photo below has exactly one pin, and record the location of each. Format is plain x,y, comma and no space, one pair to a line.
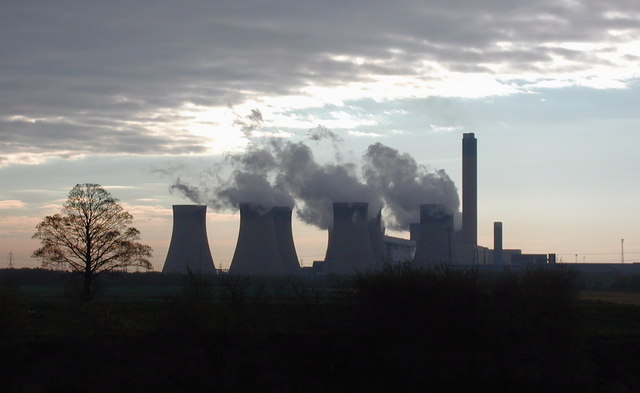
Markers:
365,134
11,204
437,128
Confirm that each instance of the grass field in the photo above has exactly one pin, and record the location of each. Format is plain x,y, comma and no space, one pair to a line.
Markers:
397,330
613,297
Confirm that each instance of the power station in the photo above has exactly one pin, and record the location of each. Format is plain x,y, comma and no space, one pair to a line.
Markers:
356,239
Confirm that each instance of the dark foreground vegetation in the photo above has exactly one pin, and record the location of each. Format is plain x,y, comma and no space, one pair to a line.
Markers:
399,330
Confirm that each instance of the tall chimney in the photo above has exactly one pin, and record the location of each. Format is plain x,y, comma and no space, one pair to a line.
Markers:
349,249
189,247
257,247
284,235
497,243
469,189
434,243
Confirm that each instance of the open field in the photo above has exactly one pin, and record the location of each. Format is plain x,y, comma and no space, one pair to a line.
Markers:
398,330
613,297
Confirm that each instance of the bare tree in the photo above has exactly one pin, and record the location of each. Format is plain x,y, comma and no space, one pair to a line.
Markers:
91,235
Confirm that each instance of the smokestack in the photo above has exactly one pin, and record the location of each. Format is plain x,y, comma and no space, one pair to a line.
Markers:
469,189
349,249
284,235
189,247
257,247
435,236
497,243
376,237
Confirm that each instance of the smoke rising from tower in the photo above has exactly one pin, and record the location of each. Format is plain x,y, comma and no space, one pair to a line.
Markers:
404,185
285,173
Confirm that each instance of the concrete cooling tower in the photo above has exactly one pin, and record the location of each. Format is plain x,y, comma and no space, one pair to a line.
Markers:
257,250
189,248
349,248
284,235
434,236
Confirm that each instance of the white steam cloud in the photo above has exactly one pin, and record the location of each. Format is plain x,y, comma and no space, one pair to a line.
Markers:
285,173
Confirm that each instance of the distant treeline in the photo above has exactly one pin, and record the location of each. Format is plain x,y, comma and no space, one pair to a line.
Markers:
607,280
397,330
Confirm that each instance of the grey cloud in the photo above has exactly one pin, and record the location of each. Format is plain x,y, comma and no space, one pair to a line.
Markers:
77,59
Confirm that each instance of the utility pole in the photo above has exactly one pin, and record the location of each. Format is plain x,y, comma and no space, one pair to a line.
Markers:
10,259
622,250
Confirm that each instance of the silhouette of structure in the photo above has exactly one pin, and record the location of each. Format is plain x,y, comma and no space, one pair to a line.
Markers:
376,237
398,250
257,251
284,236
349,247
469,189
434,243
497,243
189,247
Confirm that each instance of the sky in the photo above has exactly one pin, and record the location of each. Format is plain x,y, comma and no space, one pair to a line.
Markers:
137,96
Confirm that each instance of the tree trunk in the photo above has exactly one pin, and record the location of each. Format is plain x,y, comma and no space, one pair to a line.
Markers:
87,292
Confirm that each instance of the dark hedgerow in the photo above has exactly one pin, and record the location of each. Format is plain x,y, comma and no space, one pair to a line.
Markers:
461,329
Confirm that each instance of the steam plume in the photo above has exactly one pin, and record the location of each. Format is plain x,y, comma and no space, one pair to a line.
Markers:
404,185
280,173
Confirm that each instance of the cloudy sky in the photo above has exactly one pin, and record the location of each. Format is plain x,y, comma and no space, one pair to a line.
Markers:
134,95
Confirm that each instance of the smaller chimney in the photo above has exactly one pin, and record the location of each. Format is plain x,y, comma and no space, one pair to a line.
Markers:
497,243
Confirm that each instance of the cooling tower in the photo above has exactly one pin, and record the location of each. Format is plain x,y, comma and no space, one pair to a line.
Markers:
189,248
376,237
284,235
414,231
257,247
469,189
435,236
497,243
349,248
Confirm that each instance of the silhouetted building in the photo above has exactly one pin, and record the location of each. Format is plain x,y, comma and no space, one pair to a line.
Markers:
376,237
189,247
398,250
497,243
529,259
